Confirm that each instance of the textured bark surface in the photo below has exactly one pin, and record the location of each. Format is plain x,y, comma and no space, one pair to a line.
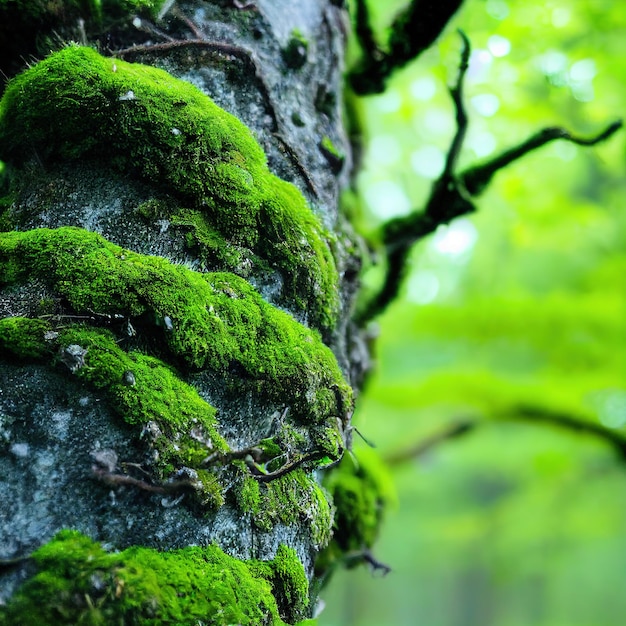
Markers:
277,67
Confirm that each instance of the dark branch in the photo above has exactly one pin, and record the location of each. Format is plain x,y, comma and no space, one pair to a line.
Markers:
569,422
414,30
426,445
363,30
14,561
477,178
523,413
448,199
356,557
124,480
456,91
451,194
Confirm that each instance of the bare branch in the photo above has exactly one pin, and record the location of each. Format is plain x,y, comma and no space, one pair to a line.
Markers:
570,422
477,178
447,200
414,30
420,448
451,194
456,91
521,413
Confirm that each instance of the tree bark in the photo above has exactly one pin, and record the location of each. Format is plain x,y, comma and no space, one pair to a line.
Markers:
176,353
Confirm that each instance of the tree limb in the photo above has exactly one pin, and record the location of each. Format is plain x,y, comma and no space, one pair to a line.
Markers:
420,448
413,30
451,194
477,178
521,413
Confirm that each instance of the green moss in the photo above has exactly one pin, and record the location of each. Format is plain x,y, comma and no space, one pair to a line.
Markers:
295,498
289,582
328,145
333,155
295,52
23,337
213,320
361,488
248,495
330,441
140,120
183,426
209,245
78,582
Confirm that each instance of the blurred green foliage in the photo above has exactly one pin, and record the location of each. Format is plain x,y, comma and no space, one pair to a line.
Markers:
517,523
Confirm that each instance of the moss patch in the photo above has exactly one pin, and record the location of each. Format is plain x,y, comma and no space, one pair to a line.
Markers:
182,425
78,582
23,338
213,320
295,52
289,582
177,424
295,498
138,119
361,488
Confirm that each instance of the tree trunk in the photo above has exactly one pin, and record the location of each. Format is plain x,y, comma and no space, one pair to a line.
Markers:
176,352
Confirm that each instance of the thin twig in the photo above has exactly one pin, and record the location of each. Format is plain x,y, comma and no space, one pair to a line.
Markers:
14,561
456,92
116,480
447,200
166,46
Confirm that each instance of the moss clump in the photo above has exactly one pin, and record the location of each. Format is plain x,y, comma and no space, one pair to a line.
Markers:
333,155
140,120
182,426
23,337
295,52
213,320
295,498
361,488
175,421
78,582
289,582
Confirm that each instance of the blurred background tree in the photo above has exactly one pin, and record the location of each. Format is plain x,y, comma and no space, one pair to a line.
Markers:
500,388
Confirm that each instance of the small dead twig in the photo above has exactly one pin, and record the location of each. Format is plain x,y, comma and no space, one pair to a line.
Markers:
124,480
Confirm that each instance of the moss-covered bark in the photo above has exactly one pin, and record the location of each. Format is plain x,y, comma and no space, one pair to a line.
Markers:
175,290
78,582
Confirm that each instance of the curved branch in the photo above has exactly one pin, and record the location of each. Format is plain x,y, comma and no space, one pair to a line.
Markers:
413,30
448,199
521,413
477,178
451,194
454,431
